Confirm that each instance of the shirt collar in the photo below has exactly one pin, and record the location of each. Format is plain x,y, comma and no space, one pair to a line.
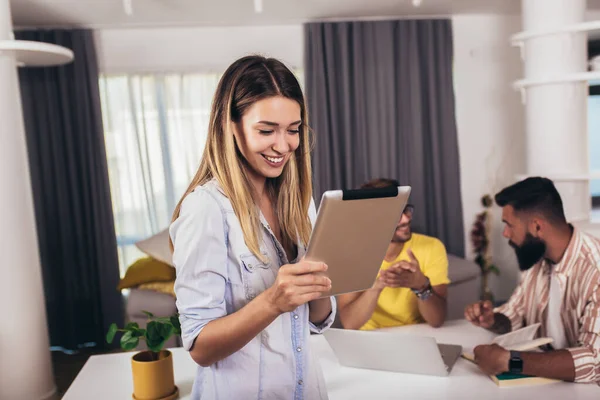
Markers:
573,248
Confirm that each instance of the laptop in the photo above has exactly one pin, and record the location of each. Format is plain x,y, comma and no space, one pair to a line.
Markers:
392,351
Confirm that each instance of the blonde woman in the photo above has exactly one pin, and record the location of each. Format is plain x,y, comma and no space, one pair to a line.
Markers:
247,299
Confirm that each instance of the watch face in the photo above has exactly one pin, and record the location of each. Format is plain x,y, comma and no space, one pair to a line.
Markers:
515,365
425,295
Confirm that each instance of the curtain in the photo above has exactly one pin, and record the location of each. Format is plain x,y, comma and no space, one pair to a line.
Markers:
155,130
381,102
63,123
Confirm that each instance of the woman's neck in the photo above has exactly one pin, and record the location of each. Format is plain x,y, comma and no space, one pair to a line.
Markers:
258,183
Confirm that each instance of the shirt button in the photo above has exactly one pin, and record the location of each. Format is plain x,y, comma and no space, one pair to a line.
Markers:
299,349
295,316
300,382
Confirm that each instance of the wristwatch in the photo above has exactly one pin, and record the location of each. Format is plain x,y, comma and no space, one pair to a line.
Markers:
515,364
425,293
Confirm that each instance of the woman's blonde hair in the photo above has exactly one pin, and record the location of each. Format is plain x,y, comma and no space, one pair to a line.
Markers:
245,82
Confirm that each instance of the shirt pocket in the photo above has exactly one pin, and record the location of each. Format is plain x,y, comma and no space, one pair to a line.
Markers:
257,276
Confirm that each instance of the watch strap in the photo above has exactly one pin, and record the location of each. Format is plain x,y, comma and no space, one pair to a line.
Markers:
515,364
424,293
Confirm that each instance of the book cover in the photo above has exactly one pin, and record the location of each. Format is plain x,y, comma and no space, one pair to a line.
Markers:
508,379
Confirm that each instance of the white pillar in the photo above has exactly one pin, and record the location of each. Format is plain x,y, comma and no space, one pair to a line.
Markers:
25,366
556,114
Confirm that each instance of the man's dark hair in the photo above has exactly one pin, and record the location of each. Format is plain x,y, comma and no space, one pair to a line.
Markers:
534,194
380,183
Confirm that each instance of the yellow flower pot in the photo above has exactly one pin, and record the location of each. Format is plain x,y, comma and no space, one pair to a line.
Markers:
153,379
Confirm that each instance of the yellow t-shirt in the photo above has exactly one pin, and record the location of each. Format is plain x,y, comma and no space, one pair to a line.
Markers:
398,306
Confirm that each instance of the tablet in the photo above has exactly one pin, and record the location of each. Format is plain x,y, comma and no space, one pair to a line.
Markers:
352,233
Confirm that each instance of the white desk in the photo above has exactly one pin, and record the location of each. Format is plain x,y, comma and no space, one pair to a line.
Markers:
109,376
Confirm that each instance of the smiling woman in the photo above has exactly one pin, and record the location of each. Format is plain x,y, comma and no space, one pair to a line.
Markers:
247,299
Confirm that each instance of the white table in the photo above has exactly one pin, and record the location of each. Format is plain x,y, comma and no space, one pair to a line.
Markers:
109,376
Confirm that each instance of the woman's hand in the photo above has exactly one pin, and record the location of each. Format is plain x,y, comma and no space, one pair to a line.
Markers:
297,284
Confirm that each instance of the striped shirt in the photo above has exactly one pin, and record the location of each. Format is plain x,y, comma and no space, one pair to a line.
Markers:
578,275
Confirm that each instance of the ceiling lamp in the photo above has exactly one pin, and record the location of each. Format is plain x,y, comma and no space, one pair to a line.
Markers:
128,7
258,6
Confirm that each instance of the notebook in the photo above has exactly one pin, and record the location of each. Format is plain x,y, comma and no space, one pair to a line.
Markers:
520,340
508,379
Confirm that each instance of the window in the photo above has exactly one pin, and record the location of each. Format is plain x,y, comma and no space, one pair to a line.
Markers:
155,129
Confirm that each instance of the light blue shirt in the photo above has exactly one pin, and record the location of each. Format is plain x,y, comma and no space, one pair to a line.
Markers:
216,276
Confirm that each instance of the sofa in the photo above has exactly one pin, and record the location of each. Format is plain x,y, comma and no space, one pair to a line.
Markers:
464,288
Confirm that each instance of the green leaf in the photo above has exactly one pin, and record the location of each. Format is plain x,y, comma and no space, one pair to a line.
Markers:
149,314
157,334
110,335
176,324
138,332
128,341
131,326
494,269
152,330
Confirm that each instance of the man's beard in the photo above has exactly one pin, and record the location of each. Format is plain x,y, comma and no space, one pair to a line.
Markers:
530,252
402,238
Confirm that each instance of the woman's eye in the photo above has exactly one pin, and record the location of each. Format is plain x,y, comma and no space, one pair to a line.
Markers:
292,131
264,132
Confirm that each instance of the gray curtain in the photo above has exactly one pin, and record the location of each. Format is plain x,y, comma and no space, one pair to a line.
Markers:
381,104
67,158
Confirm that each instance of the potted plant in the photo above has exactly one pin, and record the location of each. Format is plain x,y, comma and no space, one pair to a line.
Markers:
152,369
480,239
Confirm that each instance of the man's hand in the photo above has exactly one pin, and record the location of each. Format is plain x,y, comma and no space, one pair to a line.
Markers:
405,274
480,314
492,359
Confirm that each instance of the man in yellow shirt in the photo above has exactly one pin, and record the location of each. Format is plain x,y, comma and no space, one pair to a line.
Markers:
412,284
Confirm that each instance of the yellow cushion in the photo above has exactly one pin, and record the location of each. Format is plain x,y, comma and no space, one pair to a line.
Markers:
160,287
146,270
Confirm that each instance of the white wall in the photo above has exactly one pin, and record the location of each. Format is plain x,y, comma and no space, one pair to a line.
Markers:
489,112
209,49
491,129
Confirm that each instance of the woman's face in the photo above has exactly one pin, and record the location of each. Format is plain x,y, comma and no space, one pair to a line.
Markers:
268,135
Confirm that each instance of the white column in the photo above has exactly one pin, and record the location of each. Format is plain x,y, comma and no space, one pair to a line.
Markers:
556,114
25,366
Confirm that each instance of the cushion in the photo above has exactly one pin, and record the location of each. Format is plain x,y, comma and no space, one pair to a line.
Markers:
157,247
160,287
461,270
146,270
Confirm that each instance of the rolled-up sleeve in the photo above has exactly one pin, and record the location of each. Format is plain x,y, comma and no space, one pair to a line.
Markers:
200,259
323,326
587,357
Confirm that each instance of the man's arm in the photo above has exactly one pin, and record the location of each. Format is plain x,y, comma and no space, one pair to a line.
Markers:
411,274
434,309
501,324
586,358
553,364
356,309
494,360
